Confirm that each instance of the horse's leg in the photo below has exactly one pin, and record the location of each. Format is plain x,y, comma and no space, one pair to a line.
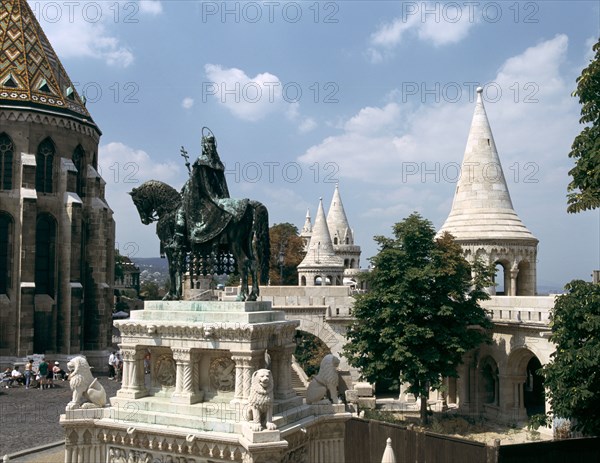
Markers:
242,264
172,269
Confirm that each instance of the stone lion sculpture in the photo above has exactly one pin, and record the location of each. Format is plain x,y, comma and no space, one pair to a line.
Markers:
325,383
260,401
87,391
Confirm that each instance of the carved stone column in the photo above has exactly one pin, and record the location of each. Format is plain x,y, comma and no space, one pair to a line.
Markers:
514,271
282,372
186,383
133,382
248,368
239,358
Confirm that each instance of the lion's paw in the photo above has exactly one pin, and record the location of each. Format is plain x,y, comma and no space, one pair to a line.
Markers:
72,406
255,427
271,426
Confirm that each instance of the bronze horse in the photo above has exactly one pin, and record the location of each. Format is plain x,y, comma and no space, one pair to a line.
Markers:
245,235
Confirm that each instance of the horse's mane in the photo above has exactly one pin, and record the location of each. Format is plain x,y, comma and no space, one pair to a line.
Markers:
160,192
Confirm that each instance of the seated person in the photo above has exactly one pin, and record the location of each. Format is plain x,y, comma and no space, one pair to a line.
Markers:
58,372
6,378
17,376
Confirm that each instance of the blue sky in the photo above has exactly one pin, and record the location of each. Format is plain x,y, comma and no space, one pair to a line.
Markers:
377,96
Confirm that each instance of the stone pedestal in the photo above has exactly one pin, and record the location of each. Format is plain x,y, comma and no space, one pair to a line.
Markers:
193,403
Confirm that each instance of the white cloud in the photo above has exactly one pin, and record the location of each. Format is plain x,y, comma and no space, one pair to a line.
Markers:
252,98
444,24
74,37
307,125
187,103
533,119
153,7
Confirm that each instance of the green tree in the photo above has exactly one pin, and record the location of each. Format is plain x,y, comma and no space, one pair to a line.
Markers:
422,312
150,291
309,352
584,188
287,251
572,378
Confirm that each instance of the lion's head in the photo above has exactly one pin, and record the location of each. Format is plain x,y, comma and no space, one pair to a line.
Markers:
328,373
261,391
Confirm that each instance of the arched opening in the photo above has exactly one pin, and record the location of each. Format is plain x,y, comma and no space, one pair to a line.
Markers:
44,161
45,255
335,240
318,281
533,393
524,284
346,263
6,226
501,279
347,240
352,263
488,381
329,280
302,280
6,162
79,162
309,351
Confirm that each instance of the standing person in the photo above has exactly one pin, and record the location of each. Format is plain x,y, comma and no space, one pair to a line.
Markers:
111,365
50,378
57,371
118,366
43,372
28,373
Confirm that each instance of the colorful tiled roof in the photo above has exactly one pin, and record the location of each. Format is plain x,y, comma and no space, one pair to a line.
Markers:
30,71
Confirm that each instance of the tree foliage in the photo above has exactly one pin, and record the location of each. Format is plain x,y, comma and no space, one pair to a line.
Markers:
572,378
287,245
309,352
584,188
422,312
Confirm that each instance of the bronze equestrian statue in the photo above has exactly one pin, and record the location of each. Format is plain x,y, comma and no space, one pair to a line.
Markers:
203,222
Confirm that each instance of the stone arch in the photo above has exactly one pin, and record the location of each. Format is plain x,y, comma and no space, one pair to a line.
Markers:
6,231
489,383
528,385
45,166
502,277
7,149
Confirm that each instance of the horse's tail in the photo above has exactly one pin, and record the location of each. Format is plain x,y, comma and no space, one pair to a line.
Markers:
263,246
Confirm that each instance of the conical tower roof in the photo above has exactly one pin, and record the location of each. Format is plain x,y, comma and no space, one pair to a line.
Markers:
320,249
31,74
337,220
482,208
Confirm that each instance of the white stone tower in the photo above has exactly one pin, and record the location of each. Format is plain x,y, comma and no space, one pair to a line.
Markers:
342,235
306,230
321,265
482,218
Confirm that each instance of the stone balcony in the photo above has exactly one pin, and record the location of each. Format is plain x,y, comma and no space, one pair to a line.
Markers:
525,310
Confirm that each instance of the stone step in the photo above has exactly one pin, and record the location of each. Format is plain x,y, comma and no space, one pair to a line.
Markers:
207,317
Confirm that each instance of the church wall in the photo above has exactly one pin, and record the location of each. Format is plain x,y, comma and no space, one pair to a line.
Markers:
58,313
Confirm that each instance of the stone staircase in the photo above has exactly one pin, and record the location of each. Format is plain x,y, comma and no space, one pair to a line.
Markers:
299,379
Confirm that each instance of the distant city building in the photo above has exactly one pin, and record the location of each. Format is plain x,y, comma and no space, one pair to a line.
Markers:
130,276
56,230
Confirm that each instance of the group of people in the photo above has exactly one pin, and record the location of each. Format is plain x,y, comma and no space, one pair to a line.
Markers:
42,377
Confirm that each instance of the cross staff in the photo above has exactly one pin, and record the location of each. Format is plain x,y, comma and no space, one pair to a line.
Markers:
184,154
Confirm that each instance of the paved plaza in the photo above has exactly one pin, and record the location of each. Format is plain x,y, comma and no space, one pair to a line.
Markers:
29,417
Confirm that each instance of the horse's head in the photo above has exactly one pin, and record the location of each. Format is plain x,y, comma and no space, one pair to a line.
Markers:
146,211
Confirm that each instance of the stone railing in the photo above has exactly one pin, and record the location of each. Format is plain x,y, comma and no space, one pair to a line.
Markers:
520,309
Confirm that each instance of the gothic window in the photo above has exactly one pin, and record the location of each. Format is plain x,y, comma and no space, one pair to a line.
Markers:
45,254
6,162
44,161
79,161
5,238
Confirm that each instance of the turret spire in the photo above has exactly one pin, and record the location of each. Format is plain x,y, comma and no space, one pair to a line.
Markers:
337,221
482,207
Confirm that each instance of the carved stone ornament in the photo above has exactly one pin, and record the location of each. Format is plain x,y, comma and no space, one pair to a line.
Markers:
166,371
222,374
118,455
